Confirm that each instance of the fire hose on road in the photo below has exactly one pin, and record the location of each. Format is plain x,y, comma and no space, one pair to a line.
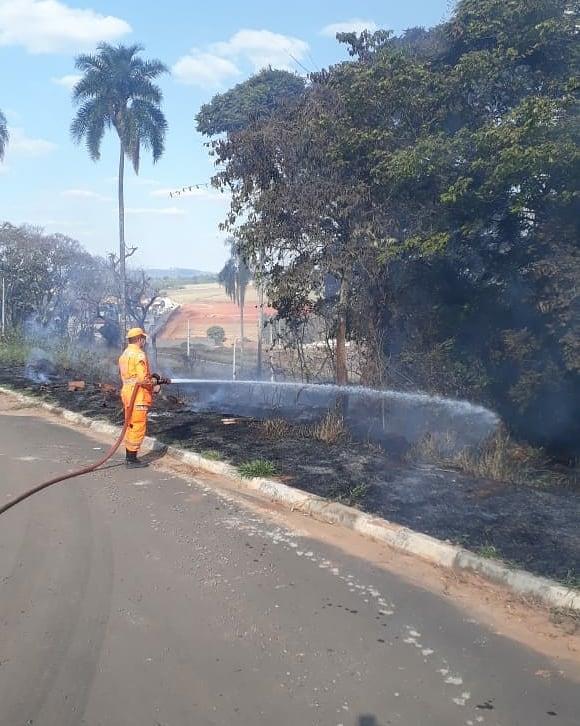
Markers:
80,472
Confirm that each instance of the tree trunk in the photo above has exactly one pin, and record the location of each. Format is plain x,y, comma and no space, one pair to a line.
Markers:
122,254
341,363
260,329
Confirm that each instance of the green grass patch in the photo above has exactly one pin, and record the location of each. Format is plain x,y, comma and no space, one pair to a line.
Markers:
211,454
489,551
351,495
571,579
257,468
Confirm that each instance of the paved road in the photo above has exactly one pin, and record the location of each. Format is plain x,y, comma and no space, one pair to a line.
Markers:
139,599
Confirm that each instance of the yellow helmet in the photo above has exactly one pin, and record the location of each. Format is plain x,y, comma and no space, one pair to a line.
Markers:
136,333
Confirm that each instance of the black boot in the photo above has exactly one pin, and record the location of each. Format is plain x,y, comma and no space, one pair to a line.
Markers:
132,462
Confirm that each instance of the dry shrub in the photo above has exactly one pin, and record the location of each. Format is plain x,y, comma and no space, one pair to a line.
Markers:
275,428
436,448
331,429
328,430
499,459
503,459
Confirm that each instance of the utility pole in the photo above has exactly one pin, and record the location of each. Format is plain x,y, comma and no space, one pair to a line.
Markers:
260,328
234,361
3,305
260,286
188,340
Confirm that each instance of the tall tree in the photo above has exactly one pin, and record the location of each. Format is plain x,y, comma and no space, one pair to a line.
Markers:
432,179
3,135
235,277
117,91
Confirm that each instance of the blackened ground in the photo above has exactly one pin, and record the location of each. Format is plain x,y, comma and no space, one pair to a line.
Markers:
530,527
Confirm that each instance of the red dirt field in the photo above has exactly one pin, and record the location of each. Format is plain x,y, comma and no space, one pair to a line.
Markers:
207,305
203,315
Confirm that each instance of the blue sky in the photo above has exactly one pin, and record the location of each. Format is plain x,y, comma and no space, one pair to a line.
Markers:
46,180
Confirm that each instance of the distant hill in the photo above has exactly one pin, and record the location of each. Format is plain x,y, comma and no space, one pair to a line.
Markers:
179,275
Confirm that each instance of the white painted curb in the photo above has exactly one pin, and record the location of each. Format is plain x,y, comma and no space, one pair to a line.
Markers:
400,538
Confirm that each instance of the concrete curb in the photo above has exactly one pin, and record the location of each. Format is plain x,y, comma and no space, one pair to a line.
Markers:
396,536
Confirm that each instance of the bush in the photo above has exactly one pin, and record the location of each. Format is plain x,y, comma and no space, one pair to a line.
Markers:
217,334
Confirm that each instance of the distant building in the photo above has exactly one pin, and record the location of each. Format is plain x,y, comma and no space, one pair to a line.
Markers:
162,306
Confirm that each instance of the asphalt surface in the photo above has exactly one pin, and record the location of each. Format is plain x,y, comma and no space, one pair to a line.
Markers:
139,598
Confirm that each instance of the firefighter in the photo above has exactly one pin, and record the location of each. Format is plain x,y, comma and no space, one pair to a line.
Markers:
134,368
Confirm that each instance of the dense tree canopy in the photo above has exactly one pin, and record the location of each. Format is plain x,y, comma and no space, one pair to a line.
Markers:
432,179
253,100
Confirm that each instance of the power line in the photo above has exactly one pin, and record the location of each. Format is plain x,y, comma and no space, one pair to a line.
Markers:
189,188
299,63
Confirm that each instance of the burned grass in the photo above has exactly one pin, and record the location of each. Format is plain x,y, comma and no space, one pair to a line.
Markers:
534,528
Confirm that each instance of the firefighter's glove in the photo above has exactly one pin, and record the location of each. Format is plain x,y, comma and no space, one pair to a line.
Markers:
160,380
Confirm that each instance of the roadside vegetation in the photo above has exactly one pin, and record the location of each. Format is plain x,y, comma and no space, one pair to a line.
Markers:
257,468
331,429
211,454
500,459
441,242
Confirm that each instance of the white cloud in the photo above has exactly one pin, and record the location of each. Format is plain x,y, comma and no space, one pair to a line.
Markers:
20,143
263,48
220,62
68,82
204,69
85,194
49,26
355,25
143,181
162,211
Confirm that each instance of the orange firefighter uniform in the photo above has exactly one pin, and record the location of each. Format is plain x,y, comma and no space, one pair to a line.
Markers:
134,369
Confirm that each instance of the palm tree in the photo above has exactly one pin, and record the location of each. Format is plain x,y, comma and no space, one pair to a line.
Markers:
235,277
3,135
117,91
